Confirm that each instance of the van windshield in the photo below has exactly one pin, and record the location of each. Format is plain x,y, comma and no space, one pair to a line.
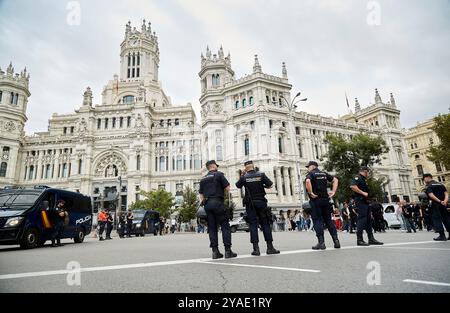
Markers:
18,200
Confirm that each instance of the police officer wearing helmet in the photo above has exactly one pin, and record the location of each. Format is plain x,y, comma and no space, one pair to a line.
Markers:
212,193
361,195
438,195
316,185
255,202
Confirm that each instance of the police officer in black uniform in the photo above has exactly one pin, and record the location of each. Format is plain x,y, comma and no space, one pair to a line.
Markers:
361,194
57,216
316,185
212,193
109,224
255,203
438,195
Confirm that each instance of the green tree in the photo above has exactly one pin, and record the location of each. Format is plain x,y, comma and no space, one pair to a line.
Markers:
346,156
188,208
157,200
441,153
229,204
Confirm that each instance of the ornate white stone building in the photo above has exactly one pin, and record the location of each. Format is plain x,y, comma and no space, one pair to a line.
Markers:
137,135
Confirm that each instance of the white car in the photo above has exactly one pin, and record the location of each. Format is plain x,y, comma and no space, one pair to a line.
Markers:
390,216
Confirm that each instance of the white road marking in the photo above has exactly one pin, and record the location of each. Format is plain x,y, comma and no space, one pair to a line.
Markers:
423,282
409,248
178,262
263,266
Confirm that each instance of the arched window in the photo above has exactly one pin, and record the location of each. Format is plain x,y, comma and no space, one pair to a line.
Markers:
179,163
219,153
246,146
244,103
48,171
280,144
438,166
64,170
138,162
420,170
267,99
99,123
197,165
106,123
31,173
3,168
16,99
236,105
162,164
251,101
80,166
128,100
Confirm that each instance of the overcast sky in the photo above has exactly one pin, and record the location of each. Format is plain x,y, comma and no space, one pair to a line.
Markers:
331,47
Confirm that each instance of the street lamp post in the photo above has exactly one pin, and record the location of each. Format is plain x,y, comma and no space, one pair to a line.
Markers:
291,107
119,200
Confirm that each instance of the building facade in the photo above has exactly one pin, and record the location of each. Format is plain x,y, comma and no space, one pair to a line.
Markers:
136,139
418,141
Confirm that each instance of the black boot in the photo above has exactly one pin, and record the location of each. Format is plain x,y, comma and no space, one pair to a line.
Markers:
58,243
101,239
256,251
53,243
374,242
441,237
216,253
321,244
229,254
360,241
271,249
337,244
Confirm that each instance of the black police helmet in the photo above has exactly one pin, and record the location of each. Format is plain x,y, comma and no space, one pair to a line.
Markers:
427,175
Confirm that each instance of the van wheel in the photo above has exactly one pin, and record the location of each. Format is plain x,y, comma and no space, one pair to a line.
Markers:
30,239
233,229
79,238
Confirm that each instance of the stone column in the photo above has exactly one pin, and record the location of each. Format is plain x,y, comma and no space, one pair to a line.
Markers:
279,184
287,184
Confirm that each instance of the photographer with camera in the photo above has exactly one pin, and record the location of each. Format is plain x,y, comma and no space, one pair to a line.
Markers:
255,183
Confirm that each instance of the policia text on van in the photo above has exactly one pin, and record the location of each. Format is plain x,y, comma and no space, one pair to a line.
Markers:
23,218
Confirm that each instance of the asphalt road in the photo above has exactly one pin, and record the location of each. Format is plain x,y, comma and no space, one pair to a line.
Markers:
180,263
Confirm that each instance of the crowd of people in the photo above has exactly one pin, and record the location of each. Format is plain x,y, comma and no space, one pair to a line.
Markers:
412,216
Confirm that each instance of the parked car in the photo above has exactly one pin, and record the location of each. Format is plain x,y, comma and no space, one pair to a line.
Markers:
390,217
144,222
239,224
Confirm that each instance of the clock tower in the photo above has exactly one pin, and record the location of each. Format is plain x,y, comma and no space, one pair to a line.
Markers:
139,55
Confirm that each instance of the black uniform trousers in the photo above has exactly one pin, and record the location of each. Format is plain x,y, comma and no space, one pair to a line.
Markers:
215,212
58,230
440,216
109,228
321,214
101,225
256,213
364,218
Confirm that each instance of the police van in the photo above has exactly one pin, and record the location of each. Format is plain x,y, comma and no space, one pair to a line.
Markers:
24,220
